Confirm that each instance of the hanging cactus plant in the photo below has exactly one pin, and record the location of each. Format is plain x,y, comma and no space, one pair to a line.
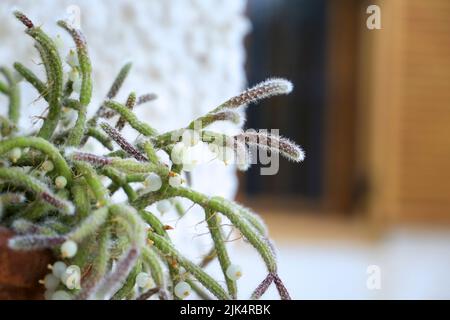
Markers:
54,193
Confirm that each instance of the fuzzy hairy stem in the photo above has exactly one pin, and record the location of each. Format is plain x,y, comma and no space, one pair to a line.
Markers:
115,279
100,137
115,87
94,183
28,75
80,198
123,144
220,248
19,178
120,180
42,145
129,284
85,66
13,94
206,280
4,88
131,118
89,225
131,102
262,287
53,66
77,132
219,204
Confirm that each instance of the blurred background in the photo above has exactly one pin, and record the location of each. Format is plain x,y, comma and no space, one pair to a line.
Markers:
372,110
367,214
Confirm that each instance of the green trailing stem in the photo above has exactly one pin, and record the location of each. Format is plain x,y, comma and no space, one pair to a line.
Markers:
80,198
6,126
119,80
4,88
101,261
13,94
158,227
206,280
94,183
137,235
220,248
36,210
72,104
89,225
131,118
150,152
120,180
83,60
46,63
131,166
32,79
18,177
77,132
53,65
154,222
135,177
42,145
115,87
128,286
131,102
151,259
100,137
219,204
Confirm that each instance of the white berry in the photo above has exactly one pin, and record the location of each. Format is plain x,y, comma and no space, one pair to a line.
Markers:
153,182
47,166
143,280
58,268
61,295
234,272
74,75
190,159
71,277
15,154
163,206
182,289
175,181
177,153
190,138
69,249
60,182
51,282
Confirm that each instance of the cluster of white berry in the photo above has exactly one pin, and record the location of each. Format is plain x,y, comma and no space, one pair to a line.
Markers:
191,151
62,276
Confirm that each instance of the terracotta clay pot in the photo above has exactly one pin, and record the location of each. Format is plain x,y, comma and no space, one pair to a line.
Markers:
20,271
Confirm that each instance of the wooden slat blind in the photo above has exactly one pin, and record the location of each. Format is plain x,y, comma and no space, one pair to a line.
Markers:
409,121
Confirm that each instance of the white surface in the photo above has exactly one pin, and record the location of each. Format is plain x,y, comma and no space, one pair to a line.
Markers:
413,264
191,57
